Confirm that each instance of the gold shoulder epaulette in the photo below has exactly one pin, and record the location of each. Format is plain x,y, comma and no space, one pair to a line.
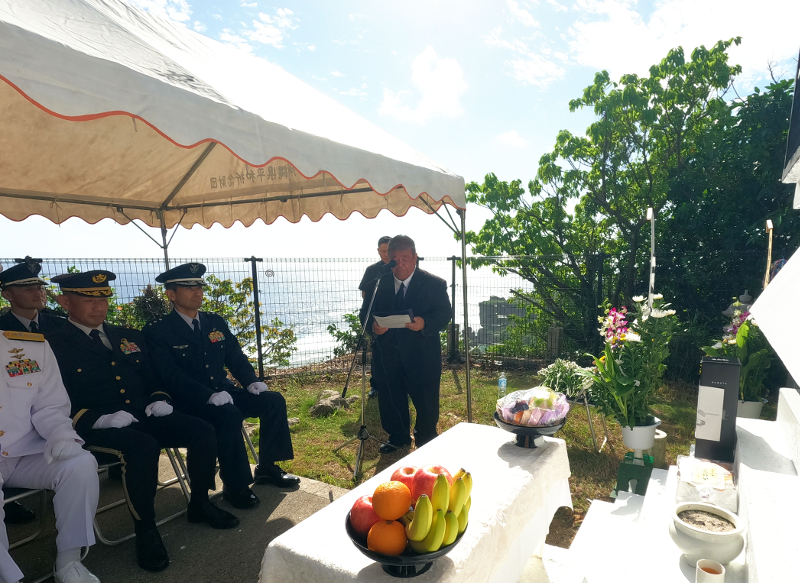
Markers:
29,336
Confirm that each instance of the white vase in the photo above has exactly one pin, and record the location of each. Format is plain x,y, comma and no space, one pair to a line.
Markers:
639,438
750,409
696,544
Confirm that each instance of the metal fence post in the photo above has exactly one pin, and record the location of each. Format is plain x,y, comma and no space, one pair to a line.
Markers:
600,257
257,305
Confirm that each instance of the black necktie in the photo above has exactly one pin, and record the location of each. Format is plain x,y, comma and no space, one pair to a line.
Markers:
95,335
196,328
400,297
34,327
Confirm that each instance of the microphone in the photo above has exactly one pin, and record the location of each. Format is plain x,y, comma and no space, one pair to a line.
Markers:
388,267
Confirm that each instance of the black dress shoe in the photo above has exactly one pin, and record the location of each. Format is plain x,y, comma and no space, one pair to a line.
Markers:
150,552
388,448
276,476
16,513
212,515
242,499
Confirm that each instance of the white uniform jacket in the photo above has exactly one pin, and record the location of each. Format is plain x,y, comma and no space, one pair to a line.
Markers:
34,406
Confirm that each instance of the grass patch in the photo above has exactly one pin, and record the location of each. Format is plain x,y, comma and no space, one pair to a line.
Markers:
593,474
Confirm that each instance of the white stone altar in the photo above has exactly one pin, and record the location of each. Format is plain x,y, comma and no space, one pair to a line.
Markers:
516,492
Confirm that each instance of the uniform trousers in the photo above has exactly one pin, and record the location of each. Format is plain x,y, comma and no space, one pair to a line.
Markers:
138,446
395,386
76,493
274,443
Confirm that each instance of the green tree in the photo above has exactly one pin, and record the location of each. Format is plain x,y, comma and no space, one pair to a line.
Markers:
347,336
233,302
650,146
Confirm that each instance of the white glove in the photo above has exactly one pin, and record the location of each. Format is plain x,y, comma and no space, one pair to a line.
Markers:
114,420
221,398
257,387
61,449
158,409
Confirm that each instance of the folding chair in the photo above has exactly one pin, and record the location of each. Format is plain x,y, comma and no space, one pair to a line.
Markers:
178,466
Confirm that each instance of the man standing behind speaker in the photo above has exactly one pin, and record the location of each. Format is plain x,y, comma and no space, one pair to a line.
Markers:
407,362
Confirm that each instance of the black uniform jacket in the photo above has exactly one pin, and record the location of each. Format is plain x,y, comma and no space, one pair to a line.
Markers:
100,383
47,323
419,352
370,275
194,367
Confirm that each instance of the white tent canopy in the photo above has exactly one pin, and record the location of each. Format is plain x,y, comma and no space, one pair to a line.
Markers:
110,112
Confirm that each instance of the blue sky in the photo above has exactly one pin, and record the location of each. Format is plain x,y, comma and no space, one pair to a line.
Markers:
478,86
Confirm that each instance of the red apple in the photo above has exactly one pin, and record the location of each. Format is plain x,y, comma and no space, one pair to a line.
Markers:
424,479
405,475
362,516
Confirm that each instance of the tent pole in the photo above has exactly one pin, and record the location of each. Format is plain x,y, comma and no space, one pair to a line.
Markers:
165,245
463,213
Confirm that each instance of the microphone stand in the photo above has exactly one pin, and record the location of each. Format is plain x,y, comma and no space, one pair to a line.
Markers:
363,434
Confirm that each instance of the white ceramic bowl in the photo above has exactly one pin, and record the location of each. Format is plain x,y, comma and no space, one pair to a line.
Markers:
697,544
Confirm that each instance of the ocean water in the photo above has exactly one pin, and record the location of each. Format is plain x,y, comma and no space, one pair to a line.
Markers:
308,294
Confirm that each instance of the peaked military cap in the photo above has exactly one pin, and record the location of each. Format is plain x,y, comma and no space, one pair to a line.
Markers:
93,284
186,275
25,273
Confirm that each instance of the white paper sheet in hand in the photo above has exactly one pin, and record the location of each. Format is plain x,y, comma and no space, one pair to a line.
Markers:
393,321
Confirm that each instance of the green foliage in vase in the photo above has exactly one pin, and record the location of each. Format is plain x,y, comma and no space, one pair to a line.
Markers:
744,340
632,363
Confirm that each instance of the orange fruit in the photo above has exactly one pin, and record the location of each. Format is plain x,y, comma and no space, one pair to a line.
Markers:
391,500
387,537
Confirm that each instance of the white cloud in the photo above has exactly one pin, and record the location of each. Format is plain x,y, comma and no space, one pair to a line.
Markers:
533,69
522,15
353,91
312,48
497,38
512,139
337,74
271,30
612,34
558,7
529,67
438,85
199,26
177,10
230,37
249,5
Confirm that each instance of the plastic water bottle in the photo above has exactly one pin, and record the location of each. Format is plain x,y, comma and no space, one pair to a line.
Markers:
502,383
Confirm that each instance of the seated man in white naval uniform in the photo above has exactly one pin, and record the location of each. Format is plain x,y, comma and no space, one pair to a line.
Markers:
40,449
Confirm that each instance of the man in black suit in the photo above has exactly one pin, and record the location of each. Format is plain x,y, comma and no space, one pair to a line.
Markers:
407,362
372,272
24,290
120,407
367,284
191,350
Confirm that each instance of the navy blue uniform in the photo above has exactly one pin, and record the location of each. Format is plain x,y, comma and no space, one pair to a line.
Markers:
100,382
47,323
193,367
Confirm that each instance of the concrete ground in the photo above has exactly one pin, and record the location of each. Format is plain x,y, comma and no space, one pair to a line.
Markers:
197,552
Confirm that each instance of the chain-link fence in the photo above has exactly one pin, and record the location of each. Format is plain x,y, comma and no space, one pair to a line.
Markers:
517,316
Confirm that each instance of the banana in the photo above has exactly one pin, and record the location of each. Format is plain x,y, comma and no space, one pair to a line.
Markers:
463,519
459,474
407,518
458,494
467,503
467,477
440,496
433,541
419,527
451,532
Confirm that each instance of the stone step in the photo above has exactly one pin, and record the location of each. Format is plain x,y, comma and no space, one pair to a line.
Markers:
769,491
